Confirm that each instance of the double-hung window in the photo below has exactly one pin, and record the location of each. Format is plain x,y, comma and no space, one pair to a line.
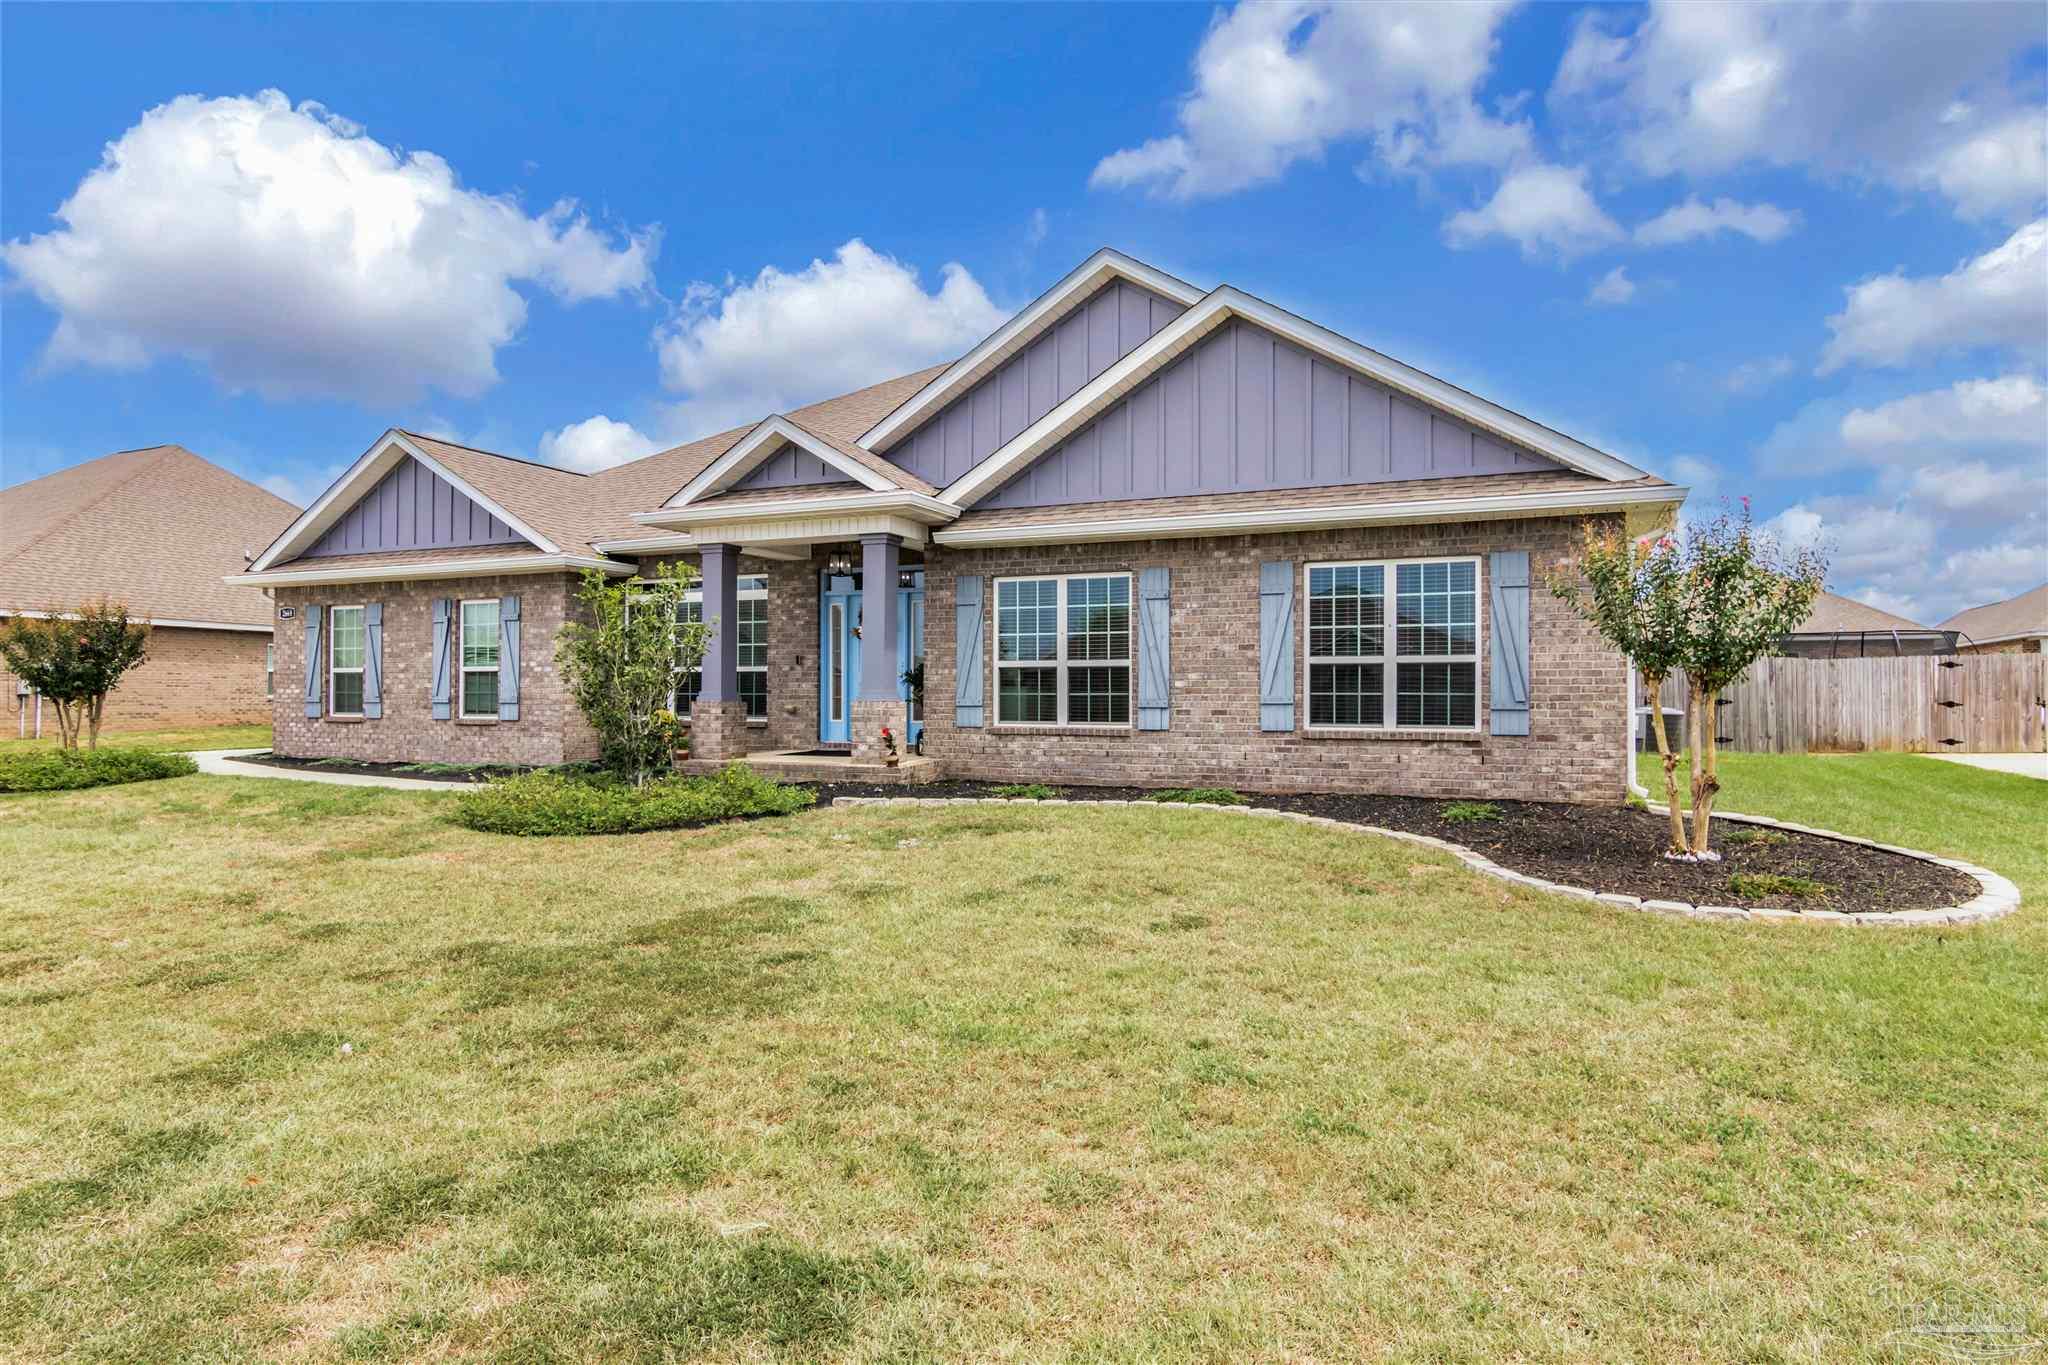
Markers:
1394,645
346,642
480,659
1063,650
750,640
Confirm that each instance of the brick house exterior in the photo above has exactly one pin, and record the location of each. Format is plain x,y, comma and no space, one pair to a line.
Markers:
1137,503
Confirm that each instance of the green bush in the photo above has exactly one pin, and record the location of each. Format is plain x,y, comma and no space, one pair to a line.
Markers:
1212,796
50,770
1468,812
1750,834
1026,791
544,803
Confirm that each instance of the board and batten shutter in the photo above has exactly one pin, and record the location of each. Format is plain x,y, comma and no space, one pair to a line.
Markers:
508,658
1509,571
1276,645
373,661
968,680
313,689
442,625
1155,656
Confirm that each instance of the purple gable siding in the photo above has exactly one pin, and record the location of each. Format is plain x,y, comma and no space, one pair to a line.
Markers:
1246,410
1031,383
789,466
412,508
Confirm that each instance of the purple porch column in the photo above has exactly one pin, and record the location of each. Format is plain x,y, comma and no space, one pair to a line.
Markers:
721,569
880,558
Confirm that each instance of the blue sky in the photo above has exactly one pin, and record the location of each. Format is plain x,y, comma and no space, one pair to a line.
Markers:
1797,252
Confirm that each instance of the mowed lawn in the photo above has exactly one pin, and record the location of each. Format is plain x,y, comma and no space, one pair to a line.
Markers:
201,737
305,1072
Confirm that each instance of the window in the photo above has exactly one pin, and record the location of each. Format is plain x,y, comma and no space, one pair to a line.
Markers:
751,639
1416,667
1063,651
480,659
269,670
345,645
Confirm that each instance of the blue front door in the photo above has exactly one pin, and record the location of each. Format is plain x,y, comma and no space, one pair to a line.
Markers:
838,660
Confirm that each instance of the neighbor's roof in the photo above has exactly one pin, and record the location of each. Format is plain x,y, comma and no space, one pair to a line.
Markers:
2026,614
1835,614
155,528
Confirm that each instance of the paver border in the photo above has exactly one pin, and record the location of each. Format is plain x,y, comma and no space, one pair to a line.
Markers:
1996,896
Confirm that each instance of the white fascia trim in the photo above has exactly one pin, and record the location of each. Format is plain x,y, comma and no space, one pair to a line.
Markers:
1274,519
684,543
920,506
1047,309
374,464
1219,307
431,568
148,620
757,445
1986,640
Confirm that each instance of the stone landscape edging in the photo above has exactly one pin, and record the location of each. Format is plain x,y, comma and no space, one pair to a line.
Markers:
1996,897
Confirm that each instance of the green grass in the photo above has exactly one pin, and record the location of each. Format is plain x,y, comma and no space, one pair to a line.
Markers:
557,803
1468,812
1018,1082
47,770
210,737
1758,885
1189,796
1026,791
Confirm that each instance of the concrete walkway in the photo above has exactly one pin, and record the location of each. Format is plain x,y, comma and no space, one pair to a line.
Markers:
221,763
2025,765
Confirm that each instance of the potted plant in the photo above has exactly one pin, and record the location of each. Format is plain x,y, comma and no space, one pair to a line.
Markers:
890,758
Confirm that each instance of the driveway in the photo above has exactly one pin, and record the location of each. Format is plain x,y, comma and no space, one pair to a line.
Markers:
2026,765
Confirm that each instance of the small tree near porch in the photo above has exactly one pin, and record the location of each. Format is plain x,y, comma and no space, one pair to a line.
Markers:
75,661
628,660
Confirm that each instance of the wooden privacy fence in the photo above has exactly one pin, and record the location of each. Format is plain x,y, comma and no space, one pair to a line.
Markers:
1958,704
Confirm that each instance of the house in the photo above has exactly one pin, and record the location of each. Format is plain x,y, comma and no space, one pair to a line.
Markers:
156,528
2018,625
1143,533
1843,628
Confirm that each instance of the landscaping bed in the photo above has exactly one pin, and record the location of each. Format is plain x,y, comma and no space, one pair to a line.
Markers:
424,772
1601,848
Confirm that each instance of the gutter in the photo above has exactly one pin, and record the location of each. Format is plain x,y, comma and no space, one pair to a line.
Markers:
442,568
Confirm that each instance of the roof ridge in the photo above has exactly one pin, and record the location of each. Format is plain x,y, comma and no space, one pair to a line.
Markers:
61,522
494,454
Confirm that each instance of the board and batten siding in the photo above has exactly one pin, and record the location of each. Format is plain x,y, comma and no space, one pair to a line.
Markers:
790,468
413,508
1245,410
1114,321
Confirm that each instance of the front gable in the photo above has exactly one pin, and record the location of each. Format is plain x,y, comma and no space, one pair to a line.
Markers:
412,508
790,467
1246,410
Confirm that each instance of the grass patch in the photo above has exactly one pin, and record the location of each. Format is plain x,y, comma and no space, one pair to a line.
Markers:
1758,885
46,770
1026,791
175,740
550,803
1214,796
1754,835
1468,812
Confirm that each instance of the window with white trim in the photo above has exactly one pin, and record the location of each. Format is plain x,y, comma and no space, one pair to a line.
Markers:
346,641
750,639
1411,663
480,643
1063,650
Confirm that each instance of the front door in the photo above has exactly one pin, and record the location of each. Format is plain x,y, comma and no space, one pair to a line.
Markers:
838,660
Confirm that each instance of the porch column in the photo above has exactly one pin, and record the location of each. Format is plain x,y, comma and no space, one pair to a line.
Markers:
876,703
718,717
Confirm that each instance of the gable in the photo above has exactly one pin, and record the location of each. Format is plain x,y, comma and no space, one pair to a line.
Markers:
1245,410
412,508
1114,321
789,468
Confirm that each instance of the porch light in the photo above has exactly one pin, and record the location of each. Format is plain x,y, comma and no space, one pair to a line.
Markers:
906,578
838,563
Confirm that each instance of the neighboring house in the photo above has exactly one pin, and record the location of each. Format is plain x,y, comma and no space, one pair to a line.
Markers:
1144,533
2018,625
157,529
1843,628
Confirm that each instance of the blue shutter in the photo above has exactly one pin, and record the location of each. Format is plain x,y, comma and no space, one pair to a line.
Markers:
442,625
968,684
508,658
1276,645
1155,658
1510,676
313,679
373,661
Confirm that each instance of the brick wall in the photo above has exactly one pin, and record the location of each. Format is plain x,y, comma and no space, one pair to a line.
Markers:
1578,686
792,720
191,678
550,728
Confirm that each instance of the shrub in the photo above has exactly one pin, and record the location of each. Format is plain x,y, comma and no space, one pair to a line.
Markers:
547,803
50,770
1468,812
1211,796
1751,834
1026,791
1755,885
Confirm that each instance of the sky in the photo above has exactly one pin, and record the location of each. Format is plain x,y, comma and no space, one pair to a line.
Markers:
1794,253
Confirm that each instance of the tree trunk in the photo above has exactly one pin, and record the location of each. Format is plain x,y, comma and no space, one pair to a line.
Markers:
1703,783
1703,804
67,735
92,715
1670,761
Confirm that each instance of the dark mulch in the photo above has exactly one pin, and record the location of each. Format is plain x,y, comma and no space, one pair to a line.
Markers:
415,771
1607,848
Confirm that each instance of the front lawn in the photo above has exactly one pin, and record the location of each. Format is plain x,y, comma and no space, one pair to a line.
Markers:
204,737
309,1072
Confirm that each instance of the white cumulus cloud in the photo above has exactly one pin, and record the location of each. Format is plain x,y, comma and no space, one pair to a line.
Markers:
1694,218
2009,410
594,443
1544,209
1995,300
287,252
1612,289
742,350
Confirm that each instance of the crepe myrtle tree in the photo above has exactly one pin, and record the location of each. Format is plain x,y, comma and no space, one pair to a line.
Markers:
75,660
626,661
